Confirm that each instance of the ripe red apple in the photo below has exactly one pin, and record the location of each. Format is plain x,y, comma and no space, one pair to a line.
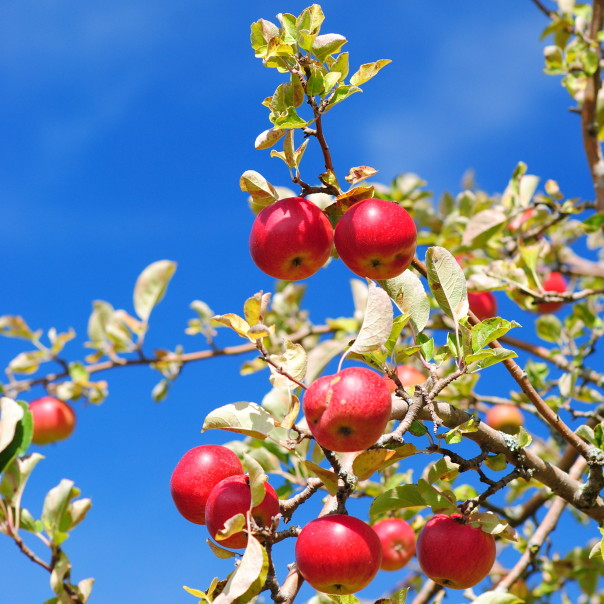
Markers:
554,283
348,411
454,554
338,554
53,420
483,304
291,239
232,496
398,542
506,418
408,376
376,239
196,474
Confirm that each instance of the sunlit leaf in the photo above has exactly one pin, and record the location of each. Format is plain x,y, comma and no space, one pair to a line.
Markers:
329,477
248,578
243,418
447,282
409,295
151,286
368,71
377,322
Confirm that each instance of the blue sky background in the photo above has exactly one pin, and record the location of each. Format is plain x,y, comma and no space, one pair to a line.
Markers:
125,127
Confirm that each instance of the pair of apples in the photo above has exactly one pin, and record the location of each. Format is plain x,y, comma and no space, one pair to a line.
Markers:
209,486
292,239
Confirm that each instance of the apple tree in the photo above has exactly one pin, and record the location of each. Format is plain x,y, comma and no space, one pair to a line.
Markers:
384,441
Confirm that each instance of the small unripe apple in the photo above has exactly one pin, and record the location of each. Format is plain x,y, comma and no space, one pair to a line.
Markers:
408,376
506,418
348,411
233,496
53,420
338,554
454,554
483,304
376,239
196,474
554,283
398,542
291,239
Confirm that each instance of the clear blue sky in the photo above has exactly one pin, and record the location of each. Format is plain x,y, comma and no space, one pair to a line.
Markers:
125,127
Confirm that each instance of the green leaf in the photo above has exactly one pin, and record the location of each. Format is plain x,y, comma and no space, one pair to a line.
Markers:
151,286
56,513
340,94
443,469
447,282
257,479
327,44
219,552
16,429
377,322
405,496
523,438
368,71
329,478
497,463
455,435
374,460
427,346
16,475
500,354
490,329
490,523
266,139
549,328
308,25
341,66
409,295
288,119
243,418
482,226
437,500
248,578
262,192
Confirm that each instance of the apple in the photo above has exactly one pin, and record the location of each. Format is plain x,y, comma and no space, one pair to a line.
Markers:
506,418
554,283
483,304
408,376
53,420
338,554
454,554
376,239
291,239
196,474
233,496
348,411
398,542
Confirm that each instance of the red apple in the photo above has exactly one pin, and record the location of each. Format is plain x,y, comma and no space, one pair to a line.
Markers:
233,496
398,542
454,554
53,420
348,411
483,304
376,239
291,239
338,554
408,376
196,474
506,418
554,283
